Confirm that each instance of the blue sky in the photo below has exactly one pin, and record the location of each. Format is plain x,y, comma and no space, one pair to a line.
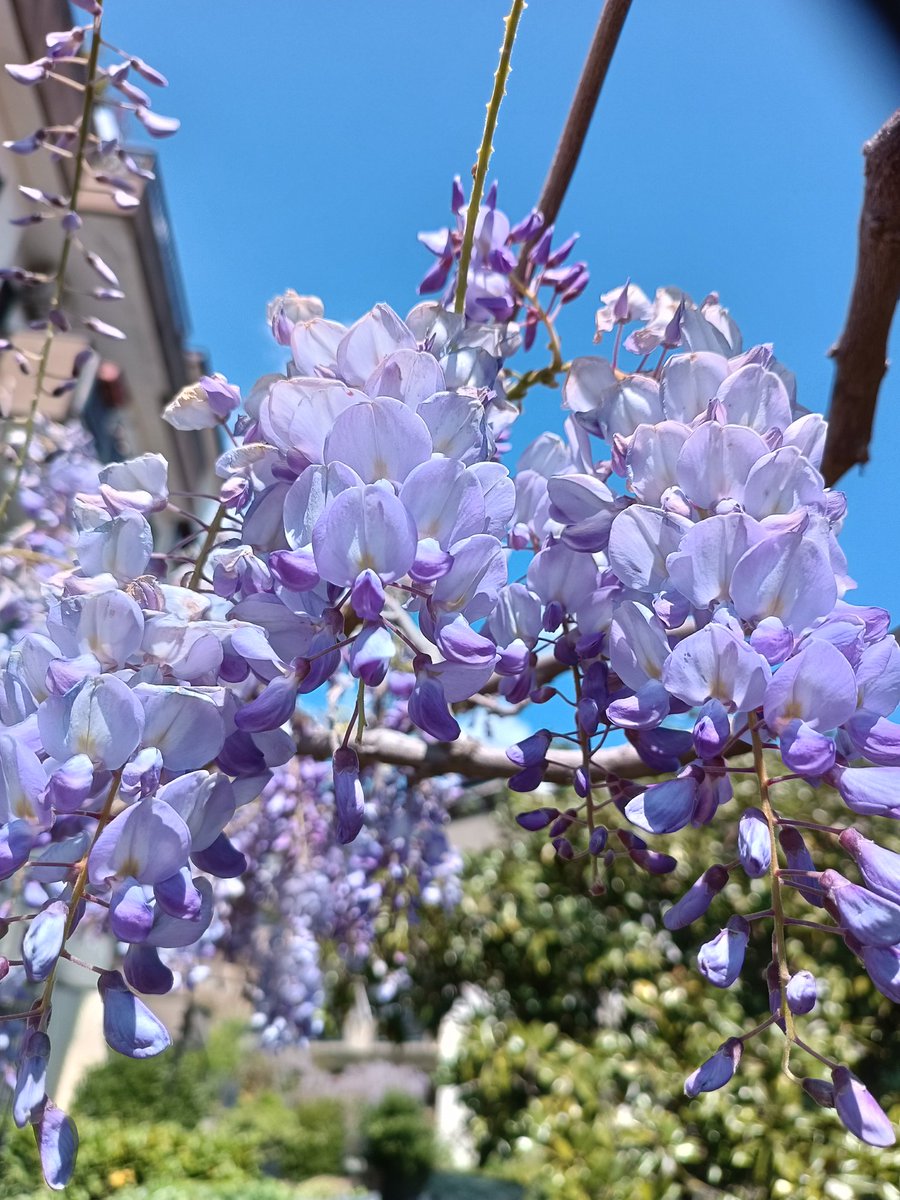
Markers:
319,137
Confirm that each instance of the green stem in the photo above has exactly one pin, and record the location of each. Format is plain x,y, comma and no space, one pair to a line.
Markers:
78,892
511,23
778,919
208,542
70,235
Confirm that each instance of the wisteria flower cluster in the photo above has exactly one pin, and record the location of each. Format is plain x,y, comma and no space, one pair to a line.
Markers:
304,894
495,288
694,575
669,566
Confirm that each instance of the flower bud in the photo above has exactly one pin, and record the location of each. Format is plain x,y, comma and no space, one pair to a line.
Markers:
799,859
31,1079
598,840
711,730
801,993
367,595
872,919
754,843
859,1111
880,868
530,750
697,899
721,959
129,1027
57,1137
819,1090
537,818
43,942
717,1070
271,708
348,794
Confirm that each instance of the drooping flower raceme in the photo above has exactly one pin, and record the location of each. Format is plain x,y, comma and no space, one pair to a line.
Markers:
682,576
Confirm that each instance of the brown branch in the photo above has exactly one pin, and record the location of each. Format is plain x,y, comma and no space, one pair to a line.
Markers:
593,75
467,756
578,121
861,350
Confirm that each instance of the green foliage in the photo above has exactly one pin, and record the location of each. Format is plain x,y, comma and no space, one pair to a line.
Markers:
253,1189
575,1079
113,1154
324,1187
182,1085
399,1144
263,1137
292,1142
169,1087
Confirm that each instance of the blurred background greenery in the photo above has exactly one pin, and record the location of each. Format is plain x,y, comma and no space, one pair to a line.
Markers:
572,1074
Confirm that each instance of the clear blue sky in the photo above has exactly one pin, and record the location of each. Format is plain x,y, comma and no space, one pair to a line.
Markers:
320,135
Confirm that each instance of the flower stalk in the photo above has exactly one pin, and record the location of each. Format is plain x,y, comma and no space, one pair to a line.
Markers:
511,23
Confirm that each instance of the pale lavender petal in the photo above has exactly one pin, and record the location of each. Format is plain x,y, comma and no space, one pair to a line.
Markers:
472,584
703,564
651,460
689,382
365,528
640,541
101,718
816,686
314,344
148,841
715,461
298,414
445,501
368,341
787,576
756,398
714,664
381,439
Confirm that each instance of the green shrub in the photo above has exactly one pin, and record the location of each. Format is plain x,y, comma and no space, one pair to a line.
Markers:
323,1187
575,1081
259,1139
399,1145
292,1142
113,1154
180,1087
249,1189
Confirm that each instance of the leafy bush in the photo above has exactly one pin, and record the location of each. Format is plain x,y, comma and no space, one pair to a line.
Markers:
182,1085
170,1087
575,1082
251,1189
399,1145
291,1142
258,1139
324,1187
113,1154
